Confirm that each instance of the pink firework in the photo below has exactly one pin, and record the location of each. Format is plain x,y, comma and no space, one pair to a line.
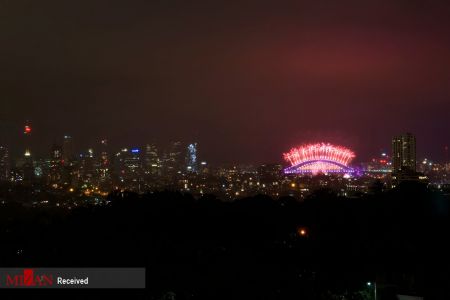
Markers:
320,152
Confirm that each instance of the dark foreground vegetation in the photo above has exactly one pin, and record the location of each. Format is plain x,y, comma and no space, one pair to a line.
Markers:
326,247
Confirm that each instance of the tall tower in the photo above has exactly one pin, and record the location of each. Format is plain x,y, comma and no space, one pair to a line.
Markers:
151,160
404,153
67,150
27,136
4,163
173,160
55,167
28,166
104,161
192,158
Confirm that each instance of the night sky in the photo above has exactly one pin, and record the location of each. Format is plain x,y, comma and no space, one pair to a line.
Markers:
246,79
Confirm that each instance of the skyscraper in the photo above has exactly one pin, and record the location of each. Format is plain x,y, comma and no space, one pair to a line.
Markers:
151,160
28,163
404,153
67,150
192,158
56,163
27,136
173,159
104,161
4,163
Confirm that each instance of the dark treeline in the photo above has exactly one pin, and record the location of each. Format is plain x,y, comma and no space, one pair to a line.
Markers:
247,249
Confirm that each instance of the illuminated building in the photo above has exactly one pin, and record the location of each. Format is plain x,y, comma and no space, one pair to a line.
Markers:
319,158
127,162
28,166
381,164
27,129
87,166
67,150
203,168
192,158
133,160
4,163
27,134
56,163
104,162
56,154
151,160
404,153
269,177
173,163
128,169
404,160
426,166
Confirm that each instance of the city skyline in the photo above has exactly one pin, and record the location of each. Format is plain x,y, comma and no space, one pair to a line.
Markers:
26,141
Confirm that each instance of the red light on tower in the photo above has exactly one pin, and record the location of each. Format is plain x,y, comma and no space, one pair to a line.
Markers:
27,129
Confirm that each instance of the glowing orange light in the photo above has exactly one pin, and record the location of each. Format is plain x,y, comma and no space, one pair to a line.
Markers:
302,232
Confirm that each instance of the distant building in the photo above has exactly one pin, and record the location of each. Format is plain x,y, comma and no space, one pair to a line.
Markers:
192,158
404,153
4,163
128,169
56,164
132,161
404,160
269,173
28,167
104,165
27,164
173,159
68,154
379,165
87,167
127,163
152,162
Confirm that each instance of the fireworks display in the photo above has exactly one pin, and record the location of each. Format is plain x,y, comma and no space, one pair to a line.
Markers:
318,158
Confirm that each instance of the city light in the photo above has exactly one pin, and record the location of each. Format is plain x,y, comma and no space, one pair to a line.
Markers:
319,158
27,129
303,232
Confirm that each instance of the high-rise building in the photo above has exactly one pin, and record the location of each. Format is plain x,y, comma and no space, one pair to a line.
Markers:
404,153
28,164
173,159
133,161
4,163
151,160
67,150
128,169
87,167
127,163
56,164
192,158
27,136
104,161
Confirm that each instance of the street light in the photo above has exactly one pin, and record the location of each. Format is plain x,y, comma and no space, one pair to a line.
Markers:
369,284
